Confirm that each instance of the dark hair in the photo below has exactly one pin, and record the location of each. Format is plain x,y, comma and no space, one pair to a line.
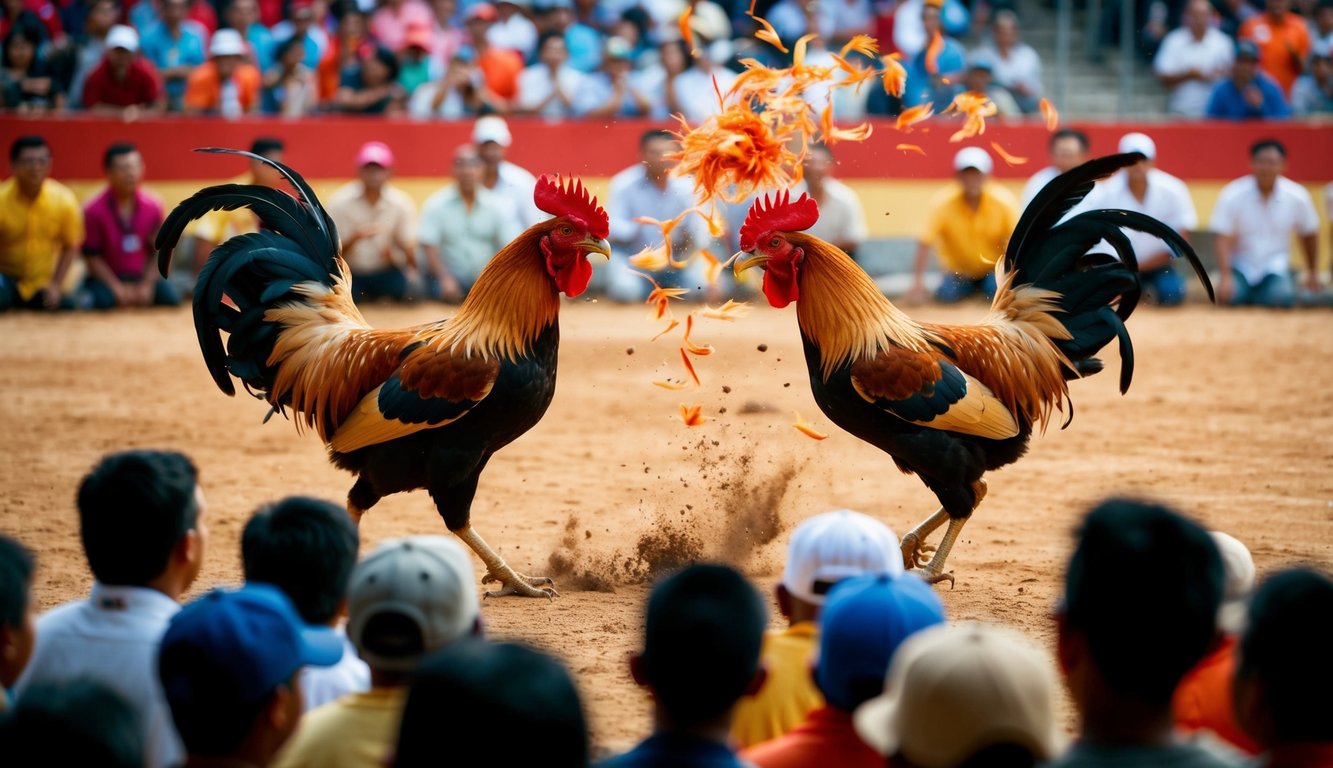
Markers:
265,145
1143,587
385,57
701,644
25,142
1003,755
546,36
489,692
207,725
1262,144
282,48
16,566
116,150
27,31
1285,647
643,22
653,135
305,547
134,507
1069,133
822,149
80,722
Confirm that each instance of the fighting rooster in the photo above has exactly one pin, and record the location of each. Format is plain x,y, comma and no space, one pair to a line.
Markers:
421,407
950,402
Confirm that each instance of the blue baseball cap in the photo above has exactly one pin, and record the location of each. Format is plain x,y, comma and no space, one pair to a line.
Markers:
236,647
863,623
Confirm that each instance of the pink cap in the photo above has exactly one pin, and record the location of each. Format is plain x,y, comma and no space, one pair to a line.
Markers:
376,152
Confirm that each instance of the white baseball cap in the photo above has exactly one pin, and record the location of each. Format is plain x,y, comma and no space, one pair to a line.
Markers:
834,546
1138,142
973,157
226,42
1237,581
491,128
122,36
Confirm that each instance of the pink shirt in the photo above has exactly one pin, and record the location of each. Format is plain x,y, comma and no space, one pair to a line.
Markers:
123,244
389,26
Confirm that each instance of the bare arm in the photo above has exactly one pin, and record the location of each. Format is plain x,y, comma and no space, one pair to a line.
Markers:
1310,244
917,292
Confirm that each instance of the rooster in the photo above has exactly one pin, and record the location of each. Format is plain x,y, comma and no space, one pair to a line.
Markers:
951,402
402,409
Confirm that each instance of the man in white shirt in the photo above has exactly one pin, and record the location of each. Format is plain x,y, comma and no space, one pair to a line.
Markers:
693,91
512,184
548,87
1015,64
374,220
842,220
141,519
513,29
462,226
1192,59
1148,190
1068,149
1254,220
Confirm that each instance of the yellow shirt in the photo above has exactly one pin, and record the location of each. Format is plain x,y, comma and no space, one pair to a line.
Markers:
355,731
969,242
789,692
33,233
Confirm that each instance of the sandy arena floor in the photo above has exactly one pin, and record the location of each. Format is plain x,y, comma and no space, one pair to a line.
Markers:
1230,418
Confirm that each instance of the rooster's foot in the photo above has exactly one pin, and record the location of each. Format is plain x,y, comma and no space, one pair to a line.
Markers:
916,553
934,578
515,583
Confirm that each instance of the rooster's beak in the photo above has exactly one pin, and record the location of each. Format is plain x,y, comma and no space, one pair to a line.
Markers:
596,246
743,261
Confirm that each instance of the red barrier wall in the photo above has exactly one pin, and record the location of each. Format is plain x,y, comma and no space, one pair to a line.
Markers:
324,148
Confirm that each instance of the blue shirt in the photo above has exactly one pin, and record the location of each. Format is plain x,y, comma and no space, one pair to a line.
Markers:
165,51
585,47
919,88
666,750
1228,102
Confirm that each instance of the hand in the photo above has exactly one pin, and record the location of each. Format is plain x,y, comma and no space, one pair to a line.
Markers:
369,230
1254,97
1224,290
143,292
51,295
450,290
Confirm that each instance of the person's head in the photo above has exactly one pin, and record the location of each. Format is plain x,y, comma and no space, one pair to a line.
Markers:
930,18
977,77
1068,148
1237,581
1323,17
863,623
301,13
122,44
305,547
1321,64
551,49
633,25
1197,17
1136,565
374,165
972,166
1144,145
830,547
123,166
102,15
818,164
467,168
76,722
477,22
1276,9
227,51
656,148
702,636
1268,159
491,136
965,696
674,56
289,53
1005,28
172,12
617,56
554,15
18,620
411,597
1245,68
141,518
30,162
228,665
379,67
242,14
418,42
1283,660
474,691
262,173
21,45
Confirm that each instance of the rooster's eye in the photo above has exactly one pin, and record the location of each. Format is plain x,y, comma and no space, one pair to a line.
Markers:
565,230
774,243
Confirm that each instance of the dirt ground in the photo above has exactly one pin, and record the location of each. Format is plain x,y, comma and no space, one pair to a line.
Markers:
1230,418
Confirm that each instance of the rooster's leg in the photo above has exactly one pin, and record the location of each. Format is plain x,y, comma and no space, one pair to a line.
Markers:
934,570
497,570
914,547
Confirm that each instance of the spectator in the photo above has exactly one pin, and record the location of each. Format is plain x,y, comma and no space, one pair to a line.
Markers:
1254,219
910,36
658,80
229,663
500,67
841,20
649,189
375,220
454,96
1144,188
865,621
1321,25
614,91
511,183
1247,94
141,519
446,35
1283,41
175,48
302,25
390,22
823,551
1313,92
700,656
1192,60
17,616
1134,565
78,722
409,598
968,227
291,89
548,87
124,84
342,56
416,65
978,79
26,83
216,227
34,264
73,61
462,227
1203,701
1068,148
1281,663
1015,64
15,14
243,16
307,548
372,87
930,71
692,93
965,695
513,30
120,225
479,692
583,42
842,220
224,85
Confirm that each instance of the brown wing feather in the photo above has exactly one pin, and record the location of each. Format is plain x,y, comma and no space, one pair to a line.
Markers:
1023,369
448,376
895,373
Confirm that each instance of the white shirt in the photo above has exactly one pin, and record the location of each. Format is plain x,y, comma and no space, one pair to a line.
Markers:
112,638
535,85
696,95
515,186
1180,53
321,685
841,217
515,33
909,34
393,212
467,237
633,195
1035,184
1262,227
452,107
1166,199
1021,67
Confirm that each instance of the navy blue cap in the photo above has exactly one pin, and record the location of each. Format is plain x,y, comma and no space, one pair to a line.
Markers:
1247,49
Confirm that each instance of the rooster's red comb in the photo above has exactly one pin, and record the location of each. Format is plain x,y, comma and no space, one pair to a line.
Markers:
778,214
568,198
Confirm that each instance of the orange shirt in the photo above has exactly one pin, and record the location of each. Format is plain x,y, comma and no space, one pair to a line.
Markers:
1203,698
501,68
1283,46
203,91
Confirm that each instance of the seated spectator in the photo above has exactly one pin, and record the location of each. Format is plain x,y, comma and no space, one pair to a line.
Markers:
842,220
243,16
1313,92
500,67
72,60
142,522
120,224
416,64
1192,60
1136,565
700,655
216,227
307,548
692,92
454,96
26,83
979,79
1282,39
303,25
390,22
78,722
514,29
372,87
1282,662
910,36
1068,149
1203,701
14,15
864,622
18,616
375,220
658,79
35,261
291,88
447,37
583,42
342,56
930,72
124,84
548,87
966,695
409,598
486,693
224,85
1247,94
614,91
175,48
823,550
1321,25
229,665
510,182
1015,65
